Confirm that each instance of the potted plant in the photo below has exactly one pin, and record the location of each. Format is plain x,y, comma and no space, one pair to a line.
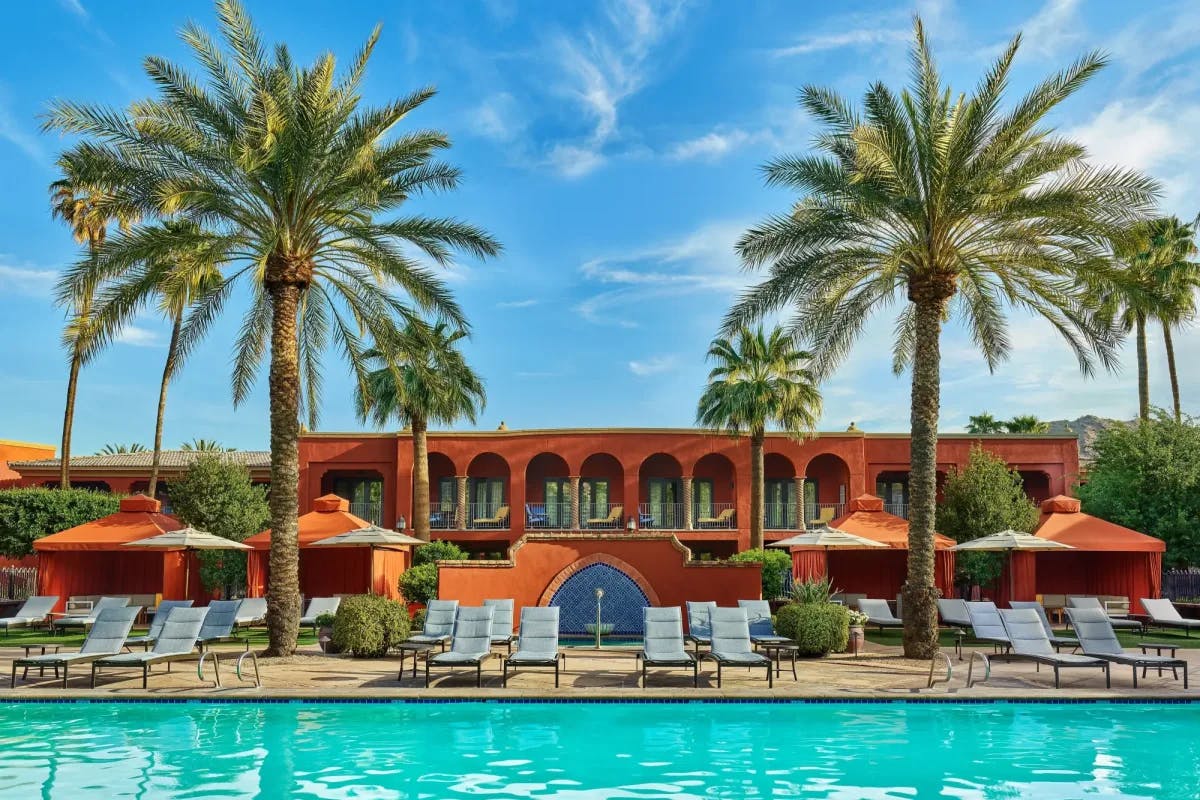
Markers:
858,632
325,630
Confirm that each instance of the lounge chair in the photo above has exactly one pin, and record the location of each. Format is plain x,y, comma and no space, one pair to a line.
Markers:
987,625
1162,612
219,624
502,622
662,643
699,623
879,613
762,630
318,606
731,645
1098,640
722,520
85,620
33,612
537,645
105,638
824,518
160,618
1029,640
176,642
1058,641
439,623
472,643
953,612
613,520
495,521
1119,623
536,516
252,611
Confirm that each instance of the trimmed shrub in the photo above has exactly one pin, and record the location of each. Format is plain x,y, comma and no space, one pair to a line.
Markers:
439,551
818,628
813,590
418,620
775,565
28,514
419,584
367,625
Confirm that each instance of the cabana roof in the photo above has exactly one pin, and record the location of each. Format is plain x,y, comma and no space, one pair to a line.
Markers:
865,517
329,517
138,518
1063,521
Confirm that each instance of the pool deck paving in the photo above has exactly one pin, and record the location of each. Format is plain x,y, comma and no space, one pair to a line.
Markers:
611,673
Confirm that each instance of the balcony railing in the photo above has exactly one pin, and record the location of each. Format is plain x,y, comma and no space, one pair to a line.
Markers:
717,516
488,516
822,513
662,516
898,509
441,517
603,516
371,512
780,517
548,516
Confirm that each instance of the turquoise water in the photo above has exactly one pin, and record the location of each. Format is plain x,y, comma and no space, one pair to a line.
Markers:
588,751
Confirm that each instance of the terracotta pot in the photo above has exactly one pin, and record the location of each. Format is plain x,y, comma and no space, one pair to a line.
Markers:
858,638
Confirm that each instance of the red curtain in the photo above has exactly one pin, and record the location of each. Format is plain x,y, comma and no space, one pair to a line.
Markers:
808,564
1018,578
1124,574
256,573
943,566
329,571
68,573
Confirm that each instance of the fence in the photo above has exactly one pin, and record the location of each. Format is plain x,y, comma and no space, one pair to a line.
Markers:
18,583
1181,584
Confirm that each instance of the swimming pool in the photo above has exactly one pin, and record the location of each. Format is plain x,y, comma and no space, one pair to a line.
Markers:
585,751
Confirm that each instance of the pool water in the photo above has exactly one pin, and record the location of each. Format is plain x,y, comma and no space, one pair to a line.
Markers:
573,751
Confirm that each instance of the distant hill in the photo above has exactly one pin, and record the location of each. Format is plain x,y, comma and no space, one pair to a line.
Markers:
1085,429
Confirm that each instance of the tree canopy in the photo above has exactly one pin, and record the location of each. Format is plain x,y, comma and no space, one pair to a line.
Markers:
28,514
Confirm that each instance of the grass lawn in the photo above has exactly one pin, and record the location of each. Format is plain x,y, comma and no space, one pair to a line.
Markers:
17,638
894,638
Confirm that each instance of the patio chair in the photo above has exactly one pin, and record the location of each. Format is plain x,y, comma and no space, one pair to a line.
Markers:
160,618
219,624
824,518
105,638
1094,603
987,626
613,520
1098,639
699,623
731,644
1059,642
318,606
33,612
953,613
502,622
472,643
879,613
85,620
645,519
252,611
722,520
537,645
762,630
495,521
662,643
1029,641
439,623
176,642
536,516
1162,612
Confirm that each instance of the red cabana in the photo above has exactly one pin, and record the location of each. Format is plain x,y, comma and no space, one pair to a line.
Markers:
329,571
876,572
1107,558
91,559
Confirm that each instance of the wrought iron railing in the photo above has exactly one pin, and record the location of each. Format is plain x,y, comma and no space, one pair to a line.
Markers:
551,516
1181,584
780,517
897,509
441,517
488,516
715,516
18,583
822,513
603,516
371,512
663,516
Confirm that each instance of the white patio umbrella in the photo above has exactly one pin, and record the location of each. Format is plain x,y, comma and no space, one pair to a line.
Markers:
1006,542
373,537
188,539
828,539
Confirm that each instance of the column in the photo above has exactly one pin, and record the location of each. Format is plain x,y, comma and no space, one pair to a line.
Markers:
460,502
575,504
688,521
800,521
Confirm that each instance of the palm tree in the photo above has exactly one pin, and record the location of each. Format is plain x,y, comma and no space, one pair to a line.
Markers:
1026,423
287,176
983,424
113,449
759,381
427,380
1172,253
950,206
206,446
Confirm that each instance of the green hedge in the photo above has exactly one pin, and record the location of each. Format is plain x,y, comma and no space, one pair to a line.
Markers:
439,551
818,628
775,564
28,514
367,625
419,584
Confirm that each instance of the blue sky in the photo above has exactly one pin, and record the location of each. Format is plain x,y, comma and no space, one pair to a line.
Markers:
614,148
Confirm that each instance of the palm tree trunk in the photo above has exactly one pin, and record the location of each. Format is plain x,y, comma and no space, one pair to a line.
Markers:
64,463
919,591
757,508
1143,371
283,588
168,371
420,478
1169,343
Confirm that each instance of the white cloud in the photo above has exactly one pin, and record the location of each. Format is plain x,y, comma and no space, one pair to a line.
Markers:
28,281
655,365
711,146
572,161
75,7
857,38
138,337
1056,29
518,303
498,118
17,134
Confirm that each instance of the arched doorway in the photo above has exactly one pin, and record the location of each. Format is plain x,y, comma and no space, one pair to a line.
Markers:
621,606
660,481
487,492
714,492
443,491
826,485
779,488
601,492
547,492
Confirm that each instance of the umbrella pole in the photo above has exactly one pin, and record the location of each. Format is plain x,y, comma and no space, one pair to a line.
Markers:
187,573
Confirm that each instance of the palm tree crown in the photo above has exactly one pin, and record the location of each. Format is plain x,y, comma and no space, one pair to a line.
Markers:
946,206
